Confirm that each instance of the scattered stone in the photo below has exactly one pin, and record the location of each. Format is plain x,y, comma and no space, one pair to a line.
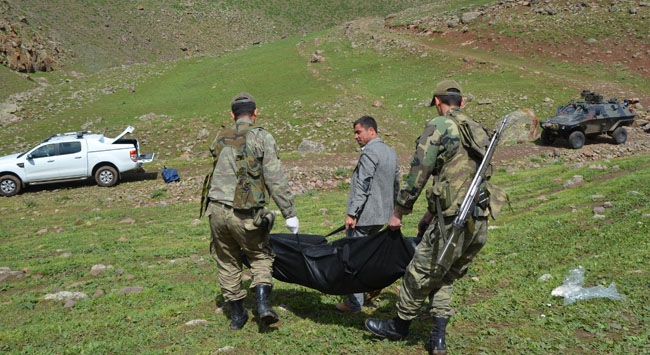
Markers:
65,296
195,322
309,146
599,210
576,181
97,269
130,290
470,16
315,58
6,273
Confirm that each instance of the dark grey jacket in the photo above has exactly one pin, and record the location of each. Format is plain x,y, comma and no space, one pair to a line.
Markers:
374,184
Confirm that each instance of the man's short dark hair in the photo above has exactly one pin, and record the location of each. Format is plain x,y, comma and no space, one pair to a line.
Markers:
366,122
450,100
243,104
243,109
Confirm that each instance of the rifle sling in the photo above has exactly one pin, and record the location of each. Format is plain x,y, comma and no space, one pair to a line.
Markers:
441,218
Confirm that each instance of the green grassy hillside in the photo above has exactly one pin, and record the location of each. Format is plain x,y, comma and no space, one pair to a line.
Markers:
374,59
365,61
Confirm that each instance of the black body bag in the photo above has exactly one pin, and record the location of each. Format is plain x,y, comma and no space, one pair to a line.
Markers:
345,266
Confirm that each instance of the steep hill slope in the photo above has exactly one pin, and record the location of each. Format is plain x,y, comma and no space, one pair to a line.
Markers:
91,35
508,54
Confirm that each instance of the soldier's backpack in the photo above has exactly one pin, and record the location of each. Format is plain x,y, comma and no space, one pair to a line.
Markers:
474,136
476,139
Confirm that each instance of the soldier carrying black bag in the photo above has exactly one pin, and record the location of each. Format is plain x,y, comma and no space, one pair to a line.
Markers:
246,170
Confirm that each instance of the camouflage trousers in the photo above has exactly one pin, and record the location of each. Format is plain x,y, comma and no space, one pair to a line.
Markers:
424,278
232,231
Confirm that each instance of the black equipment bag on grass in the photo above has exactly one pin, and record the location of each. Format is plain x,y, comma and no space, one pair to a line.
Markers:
345,266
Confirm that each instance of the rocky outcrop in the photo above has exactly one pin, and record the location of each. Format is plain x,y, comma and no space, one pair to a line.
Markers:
24,54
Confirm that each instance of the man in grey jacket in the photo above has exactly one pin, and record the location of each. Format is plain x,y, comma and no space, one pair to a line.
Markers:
373,190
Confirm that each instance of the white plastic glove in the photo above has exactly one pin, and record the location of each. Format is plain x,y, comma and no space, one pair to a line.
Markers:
292,224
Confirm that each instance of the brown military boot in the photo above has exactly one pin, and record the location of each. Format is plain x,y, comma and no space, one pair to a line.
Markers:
238,315
437,344
264,311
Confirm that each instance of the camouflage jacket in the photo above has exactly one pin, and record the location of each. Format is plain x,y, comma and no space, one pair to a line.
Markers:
439,151
223,180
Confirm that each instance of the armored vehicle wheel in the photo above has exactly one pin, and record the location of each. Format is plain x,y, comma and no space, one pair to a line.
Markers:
547,138
106,176
577,139
9,185
620,135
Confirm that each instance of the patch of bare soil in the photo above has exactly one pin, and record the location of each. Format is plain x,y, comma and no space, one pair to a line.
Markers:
320,172
631,54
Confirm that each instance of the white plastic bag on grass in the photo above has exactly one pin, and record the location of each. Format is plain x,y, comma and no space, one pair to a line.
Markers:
572,289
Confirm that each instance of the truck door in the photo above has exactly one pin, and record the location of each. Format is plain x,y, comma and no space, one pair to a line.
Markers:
56,161
41,163
72,160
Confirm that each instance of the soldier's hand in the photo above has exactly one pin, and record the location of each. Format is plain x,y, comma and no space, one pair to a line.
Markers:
422,227
424,223
292,224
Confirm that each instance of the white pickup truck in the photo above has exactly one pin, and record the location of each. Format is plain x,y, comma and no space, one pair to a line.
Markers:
72,156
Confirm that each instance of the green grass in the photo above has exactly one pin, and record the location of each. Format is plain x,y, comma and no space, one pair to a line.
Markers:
55,237
146,231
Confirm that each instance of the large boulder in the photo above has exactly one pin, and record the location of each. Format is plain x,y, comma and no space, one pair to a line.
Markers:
522,126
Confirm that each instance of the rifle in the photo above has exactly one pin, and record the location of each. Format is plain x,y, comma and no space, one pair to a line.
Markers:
446,258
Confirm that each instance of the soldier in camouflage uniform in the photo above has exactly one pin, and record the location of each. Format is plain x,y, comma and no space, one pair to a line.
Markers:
246,169
439,152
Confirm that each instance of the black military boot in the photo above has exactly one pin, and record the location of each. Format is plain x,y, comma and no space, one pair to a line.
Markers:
437,344
392,329
264,311
238,314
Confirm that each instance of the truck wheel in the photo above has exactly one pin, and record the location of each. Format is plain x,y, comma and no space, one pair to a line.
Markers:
106,176
9,185
547,138
577,139
620,135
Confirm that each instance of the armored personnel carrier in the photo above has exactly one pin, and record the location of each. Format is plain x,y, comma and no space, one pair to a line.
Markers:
592,116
